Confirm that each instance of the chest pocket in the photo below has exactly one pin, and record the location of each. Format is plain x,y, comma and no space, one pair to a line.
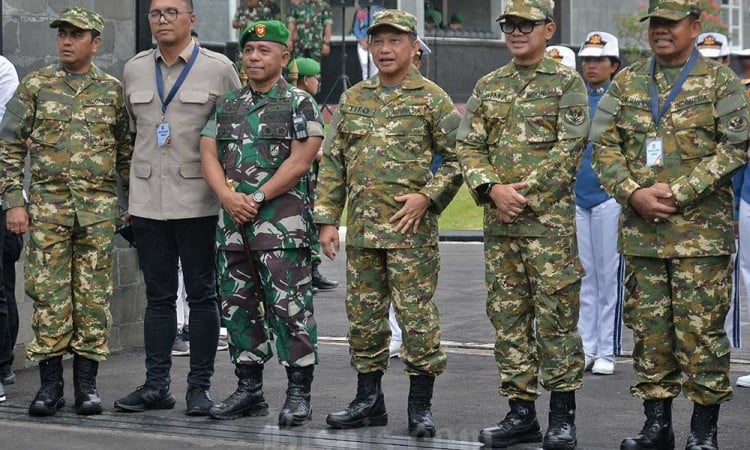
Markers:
496,116
274,137
407,135
53,116
140,102
694,127
540,120
101,117
634,121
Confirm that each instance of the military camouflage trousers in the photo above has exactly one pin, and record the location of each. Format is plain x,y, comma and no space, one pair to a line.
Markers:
285,314
534,281
68,274
407,277
676,309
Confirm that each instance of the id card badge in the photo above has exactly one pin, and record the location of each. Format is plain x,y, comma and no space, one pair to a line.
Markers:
163,134
654,152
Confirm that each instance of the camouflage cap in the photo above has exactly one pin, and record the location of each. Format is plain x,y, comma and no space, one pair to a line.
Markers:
528,9
79,17
400,20
306,67
672,9
265,30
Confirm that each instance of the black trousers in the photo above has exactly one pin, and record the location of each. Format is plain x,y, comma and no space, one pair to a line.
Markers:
11,245
160,244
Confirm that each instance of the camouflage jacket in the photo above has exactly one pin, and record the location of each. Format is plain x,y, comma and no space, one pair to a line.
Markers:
380,145
79,133
705,134
248,15
254,137
310,18
524,124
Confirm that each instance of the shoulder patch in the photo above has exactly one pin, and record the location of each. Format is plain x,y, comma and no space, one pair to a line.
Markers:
575,115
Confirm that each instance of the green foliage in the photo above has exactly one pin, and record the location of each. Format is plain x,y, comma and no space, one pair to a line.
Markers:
633,34
462,213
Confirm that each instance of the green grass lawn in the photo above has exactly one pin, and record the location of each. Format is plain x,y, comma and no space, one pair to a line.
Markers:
462,213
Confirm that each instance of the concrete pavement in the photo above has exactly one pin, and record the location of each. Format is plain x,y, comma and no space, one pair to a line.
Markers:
465,396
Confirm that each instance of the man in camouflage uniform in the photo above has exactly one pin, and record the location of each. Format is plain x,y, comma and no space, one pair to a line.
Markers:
309,24
376,159
519,144
75,118
256,151
252,11
672,177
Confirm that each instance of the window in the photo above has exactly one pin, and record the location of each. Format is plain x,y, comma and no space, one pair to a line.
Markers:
731,14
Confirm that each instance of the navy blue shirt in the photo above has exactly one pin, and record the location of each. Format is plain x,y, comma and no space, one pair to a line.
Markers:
589,192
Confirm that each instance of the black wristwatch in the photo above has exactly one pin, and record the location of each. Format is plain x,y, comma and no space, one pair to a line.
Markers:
259,197
488,188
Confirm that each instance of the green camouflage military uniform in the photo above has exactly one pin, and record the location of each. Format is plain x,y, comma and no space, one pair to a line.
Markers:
381,144
254,137
530,124
248,15
78,127
310,18
680,281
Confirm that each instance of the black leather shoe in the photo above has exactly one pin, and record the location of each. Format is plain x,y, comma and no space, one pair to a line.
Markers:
561,432
519,425
49,398
248,399
198,401
703,428
146,397
419,411
320,281
87,397
657,432
368,407
297,410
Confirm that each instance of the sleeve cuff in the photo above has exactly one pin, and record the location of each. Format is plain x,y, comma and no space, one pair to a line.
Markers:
625,190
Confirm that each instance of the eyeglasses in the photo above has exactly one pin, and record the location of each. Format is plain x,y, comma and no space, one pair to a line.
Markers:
169,14
524,27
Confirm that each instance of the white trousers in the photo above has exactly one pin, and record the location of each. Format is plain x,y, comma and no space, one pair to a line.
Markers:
741,279
183,309
365,60
395,328
600,318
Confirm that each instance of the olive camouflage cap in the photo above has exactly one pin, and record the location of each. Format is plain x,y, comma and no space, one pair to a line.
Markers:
400,20
79,17
672,9
528,9
265,30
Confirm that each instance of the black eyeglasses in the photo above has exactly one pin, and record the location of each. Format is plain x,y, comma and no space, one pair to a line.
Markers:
524,27
169,14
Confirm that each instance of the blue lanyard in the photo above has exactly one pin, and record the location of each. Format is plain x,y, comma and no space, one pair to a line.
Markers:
177,84
655,111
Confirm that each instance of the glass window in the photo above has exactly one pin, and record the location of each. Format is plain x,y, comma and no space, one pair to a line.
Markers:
731,15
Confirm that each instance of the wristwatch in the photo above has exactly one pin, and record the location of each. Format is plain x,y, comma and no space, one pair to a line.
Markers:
488,188
259,197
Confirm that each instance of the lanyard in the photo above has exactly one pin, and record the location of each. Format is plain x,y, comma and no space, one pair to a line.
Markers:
673,93
177,84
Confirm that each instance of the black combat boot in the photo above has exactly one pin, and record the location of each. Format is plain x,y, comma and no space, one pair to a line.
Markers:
368,407
320,281
88,401
418,410
520,425
703,428
49,398
248,399
297,409
657,432
561,432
